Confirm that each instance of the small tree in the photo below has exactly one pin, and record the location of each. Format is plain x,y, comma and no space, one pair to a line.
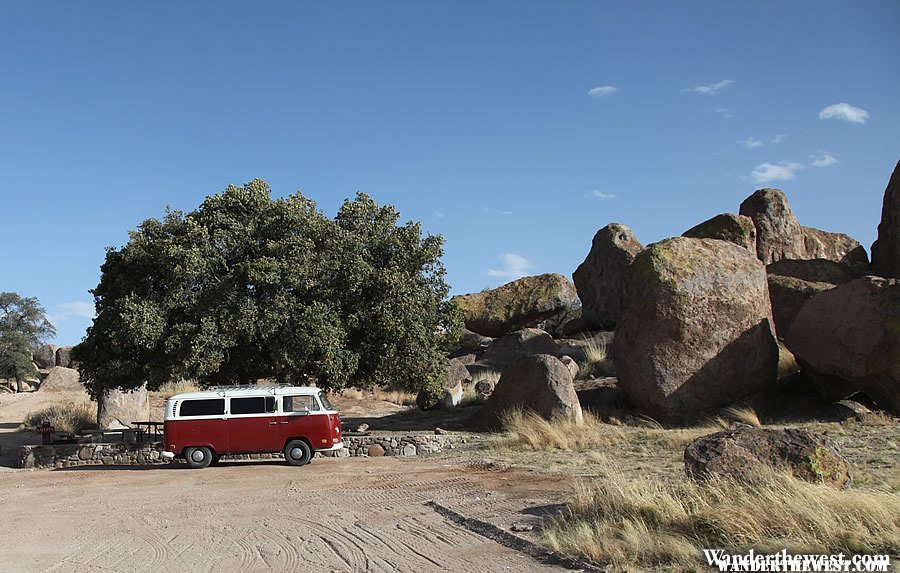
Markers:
248,287
23,327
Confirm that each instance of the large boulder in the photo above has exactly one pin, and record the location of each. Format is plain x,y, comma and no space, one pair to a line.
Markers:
778,233
695,331
515,345
519,304
737,229
848,340
61,379
746,453
792,283
45,356
456,378
118,409
836,247
598,278
64,357
540,383
886,249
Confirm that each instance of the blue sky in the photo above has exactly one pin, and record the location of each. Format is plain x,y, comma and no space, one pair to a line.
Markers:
514,129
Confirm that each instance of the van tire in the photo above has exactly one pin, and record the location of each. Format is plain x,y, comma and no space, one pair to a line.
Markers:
198,457
297,453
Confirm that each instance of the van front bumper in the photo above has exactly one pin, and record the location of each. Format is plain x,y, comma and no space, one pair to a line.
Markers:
333,448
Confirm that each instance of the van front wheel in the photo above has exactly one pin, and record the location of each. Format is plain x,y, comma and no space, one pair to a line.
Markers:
197,458
297,453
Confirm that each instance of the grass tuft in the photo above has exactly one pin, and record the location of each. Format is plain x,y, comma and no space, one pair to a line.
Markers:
742,415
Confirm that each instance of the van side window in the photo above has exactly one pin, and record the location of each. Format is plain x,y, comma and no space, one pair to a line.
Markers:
209,407
300,403
253,405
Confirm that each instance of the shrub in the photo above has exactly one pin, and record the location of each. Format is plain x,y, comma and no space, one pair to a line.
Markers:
71,418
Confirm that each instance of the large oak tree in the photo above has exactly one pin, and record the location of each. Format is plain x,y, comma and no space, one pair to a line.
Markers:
248,287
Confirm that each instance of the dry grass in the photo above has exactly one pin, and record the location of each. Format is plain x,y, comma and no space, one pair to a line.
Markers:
176,387
594,351
71,418
399,397
527,431
742,415
641,522
488,374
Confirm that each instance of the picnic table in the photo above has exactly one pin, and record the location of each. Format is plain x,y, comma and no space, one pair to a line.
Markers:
152,430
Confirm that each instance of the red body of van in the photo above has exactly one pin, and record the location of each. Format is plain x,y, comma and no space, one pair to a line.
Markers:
202,426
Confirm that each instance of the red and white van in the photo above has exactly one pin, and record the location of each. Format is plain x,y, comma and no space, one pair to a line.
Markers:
296,420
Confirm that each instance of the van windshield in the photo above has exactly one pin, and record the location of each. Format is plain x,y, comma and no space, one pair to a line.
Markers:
325,403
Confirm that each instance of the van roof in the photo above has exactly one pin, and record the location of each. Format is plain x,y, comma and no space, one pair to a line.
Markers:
230,391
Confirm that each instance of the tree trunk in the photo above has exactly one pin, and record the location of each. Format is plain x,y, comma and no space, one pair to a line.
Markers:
18,385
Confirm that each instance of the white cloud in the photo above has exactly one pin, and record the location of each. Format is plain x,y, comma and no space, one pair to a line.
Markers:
751,142
846,112
711,89
438,214
68,310
514,267
778,138
602,195
824,159
493,211
787,170
724,112
602,91
768,172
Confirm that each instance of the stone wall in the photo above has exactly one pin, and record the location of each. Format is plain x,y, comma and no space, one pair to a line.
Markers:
63,456
70,455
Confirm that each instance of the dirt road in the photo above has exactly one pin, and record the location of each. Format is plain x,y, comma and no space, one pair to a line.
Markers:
332,515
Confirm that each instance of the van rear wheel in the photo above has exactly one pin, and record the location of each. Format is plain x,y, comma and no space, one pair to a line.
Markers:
297,453
198,458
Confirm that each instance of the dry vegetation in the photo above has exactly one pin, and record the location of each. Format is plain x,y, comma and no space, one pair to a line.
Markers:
71,418
177,387
645,522
637,510
399,397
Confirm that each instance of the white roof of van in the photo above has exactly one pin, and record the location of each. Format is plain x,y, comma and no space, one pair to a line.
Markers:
231,391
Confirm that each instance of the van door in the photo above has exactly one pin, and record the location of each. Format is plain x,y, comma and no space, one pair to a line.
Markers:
253,425
299,417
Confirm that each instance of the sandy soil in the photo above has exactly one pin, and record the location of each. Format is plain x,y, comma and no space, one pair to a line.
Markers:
360,514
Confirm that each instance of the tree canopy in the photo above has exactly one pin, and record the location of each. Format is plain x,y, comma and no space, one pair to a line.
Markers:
23,327
247,287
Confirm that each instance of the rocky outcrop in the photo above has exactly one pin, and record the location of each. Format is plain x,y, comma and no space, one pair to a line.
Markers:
792,283
64,357
598,278
118,409
540,383
45,356
61,379
848,340
519,304
836,247
780,236
515,345
886,249
778,233
746,453
695,331
737,229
